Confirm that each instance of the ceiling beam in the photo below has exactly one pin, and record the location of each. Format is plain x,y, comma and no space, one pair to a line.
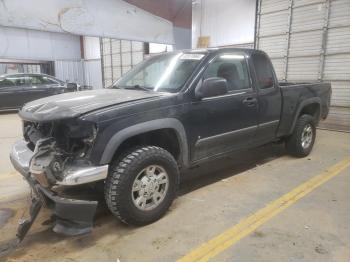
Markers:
179,12
103,18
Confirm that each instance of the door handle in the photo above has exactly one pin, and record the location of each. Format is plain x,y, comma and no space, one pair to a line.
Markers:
250,101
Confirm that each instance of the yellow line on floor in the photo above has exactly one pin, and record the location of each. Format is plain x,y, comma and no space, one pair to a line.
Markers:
246,226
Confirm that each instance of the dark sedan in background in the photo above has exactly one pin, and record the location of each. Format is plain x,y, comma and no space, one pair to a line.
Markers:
18,89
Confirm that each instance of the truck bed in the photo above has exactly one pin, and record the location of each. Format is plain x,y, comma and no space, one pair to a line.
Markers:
294,95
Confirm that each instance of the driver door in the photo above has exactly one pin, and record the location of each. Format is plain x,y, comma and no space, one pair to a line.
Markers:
228,122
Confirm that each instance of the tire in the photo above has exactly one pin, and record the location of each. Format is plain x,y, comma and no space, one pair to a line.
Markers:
298,144
137,164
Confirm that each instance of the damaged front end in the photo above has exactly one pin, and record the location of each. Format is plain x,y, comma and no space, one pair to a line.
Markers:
52,156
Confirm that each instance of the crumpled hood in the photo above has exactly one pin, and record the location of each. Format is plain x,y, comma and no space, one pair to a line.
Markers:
73,104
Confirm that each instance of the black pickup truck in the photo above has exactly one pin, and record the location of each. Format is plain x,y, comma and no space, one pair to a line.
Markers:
171,112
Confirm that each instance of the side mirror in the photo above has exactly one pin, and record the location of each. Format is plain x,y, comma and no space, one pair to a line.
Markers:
214,86
72,86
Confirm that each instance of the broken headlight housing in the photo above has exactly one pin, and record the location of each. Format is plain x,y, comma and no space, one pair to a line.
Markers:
58,145
76,137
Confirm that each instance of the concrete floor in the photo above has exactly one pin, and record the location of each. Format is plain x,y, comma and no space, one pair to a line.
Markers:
212,198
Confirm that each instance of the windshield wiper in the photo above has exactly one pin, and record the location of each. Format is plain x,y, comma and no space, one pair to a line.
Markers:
137,87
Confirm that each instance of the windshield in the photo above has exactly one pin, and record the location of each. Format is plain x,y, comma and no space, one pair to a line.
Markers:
162,73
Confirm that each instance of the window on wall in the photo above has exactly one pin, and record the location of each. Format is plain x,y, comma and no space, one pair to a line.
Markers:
34,67
118,57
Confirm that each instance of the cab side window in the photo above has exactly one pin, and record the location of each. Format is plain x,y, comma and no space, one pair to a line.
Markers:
14,81
233,68
6,83
49,81
37,80
263,71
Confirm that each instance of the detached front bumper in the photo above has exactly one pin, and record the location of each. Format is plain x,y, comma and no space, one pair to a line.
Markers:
72,216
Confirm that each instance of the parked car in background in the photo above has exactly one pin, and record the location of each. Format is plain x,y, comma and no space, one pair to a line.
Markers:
18,89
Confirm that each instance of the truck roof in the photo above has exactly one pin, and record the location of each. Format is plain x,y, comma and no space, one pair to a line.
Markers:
222,49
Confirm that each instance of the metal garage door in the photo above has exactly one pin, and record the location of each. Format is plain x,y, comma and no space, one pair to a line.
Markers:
309,40
118,57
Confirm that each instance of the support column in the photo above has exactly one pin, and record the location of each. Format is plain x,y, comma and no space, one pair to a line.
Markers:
288,33
324,41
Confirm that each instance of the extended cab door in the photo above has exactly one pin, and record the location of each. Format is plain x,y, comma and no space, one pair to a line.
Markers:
224,123
269,98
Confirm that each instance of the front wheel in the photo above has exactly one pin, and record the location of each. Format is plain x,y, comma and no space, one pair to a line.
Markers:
141,186
301,142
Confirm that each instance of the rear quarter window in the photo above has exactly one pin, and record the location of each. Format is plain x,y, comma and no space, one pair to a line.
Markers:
263,71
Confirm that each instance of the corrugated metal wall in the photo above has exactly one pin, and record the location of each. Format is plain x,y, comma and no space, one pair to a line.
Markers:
93,73
92,63
41,47
71,71
16,43
309,40
2,69
118,57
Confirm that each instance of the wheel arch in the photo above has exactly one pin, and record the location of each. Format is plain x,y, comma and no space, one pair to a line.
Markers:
154,125
311,106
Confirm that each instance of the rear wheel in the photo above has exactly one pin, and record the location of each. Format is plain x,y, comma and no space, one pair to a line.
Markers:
301,142
142,185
